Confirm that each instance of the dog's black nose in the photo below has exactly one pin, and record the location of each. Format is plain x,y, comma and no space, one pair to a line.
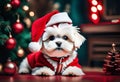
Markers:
58,44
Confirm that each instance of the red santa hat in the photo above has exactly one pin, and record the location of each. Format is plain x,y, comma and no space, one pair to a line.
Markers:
40,24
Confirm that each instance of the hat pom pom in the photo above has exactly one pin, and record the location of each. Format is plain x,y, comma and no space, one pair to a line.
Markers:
34,46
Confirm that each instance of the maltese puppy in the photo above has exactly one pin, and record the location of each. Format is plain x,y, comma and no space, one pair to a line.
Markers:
57,53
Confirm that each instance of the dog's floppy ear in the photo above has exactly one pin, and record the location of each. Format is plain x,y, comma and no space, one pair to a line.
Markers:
78,39
35,46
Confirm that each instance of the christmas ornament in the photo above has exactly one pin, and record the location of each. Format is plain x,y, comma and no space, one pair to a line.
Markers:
56,6
10,43
17,26
31,13
25,8
10,68
112,62
28,22
8,7
15,3
20,52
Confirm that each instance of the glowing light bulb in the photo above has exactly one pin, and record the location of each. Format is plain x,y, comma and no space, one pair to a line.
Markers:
94,16
31,13
25,8
99,7
94,2
93,9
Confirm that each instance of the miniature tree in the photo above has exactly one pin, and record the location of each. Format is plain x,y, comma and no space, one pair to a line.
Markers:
112,62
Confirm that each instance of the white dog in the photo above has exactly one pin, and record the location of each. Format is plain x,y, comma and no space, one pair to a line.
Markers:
57,52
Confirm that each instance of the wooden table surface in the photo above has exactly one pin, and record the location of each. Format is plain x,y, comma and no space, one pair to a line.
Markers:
89,77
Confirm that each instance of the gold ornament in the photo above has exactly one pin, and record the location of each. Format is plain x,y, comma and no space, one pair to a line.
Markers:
25,8
56,6
20,52
28,22
8,7
31,13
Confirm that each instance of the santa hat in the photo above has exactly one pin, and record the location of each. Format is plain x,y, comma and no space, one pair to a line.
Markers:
40,24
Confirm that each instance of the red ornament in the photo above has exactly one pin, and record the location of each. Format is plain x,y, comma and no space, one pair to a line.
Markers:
10,68
10,43
15,3
17,27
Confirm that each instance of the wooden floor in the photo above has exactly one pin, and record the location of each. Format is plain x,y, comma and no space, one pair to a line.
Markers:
89,77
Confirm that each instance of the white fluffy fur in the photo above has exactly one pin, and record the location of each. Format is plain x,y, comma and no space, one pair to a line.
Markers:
24,66
59,17
42,71
62,29
65,29
35,46
49,48
75,39
73,71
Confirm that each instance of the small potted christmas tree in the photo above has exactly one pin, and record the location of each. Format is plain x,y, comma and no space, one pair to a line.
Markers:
112,62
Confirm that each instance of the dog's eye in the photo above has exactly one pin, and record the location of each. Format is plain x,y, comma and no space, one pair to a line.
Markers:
52,37
65,37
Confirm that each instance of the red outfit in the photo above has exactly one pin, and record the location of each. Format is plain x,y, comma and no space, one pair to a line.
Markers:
38,60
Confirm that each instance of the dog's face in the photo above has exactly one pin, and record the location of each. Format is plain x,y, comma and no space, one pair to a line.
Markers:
61,40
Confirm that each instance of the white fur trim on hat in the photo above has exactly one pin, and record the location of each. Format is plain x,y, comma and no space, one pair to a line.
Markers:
34,46
58,18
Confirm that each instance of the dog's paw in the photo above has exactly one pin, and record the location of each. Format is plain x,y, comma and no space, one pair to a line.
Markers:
43,71
73,71
23,70
40,73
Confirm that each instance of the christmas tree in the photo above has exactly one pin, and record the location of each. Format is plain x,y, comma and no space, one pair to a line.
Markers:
112,62
15,23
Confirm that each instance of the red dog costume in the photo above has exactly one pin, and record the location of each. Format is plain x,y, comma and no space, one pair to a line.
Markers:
38,59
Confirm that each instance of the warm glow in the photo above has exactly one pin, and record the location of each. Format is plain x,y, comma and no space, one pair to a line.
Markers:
93,9
31,13
1,67
115,21
94,2
99,7
11,65
56,6
28,22
21,51
94,16
25,8
9,5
